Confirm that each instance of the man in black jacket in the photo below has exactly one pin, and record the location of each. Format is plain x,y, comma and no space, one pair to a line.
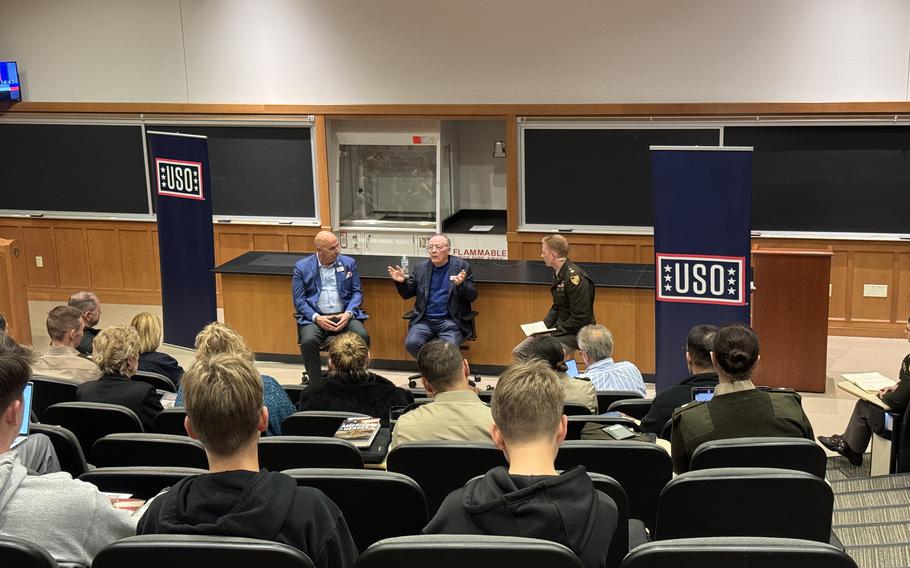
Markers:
224,411
701,374
530,498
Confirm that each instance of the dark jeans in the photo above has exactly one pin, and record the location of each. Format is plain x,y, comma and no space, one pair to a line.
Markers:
432,328
866,419
312,337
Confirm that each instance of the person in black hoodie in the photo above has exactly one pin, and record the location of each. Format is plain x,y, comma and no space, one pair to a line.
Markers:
530,498
224,411
699,344
350,386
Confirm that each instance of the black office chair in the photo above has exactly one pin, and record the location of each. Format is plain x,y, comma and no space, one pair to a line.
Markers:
737,552
745,502
157,380
577,423
143,482
92,420
440,467
66,445
293,392
278,453
572,409
22,553
170,421
606,398
182,551
784,453
315,422
621,542
362,495
666,433
147,449
48,391
634,407
642,468
458,551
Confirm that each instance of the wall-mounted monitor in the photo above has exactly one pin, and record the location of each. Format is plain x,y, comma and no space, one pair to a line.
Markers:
9,82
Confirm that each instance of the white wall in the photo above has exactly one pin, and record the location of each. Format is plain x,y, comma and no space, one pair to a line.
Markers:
462,51
482,178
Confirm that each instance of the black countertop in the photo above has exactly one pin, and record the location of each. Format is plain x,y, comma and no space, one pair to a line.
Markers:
610,275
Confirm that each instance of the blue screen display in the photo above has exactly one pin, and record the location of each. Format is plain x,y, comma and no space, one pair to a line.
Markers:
27,408
9,82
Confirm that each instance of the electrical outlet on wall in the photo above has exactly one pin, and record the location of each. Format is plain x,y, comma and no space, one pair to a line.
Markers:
39,261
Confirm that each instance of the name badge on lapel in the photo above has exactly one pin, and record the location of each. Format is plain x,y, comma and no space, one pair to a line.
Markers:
339,268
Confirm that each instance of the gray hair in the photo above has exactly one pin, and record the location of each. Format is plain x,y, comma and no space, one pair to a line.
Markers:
596,341
84,301
440,235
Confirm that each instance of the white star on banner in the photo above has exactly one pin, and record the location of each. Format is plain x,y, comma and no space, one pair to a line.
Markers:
668,287
732,291
732,271
668,278
732,281
666,269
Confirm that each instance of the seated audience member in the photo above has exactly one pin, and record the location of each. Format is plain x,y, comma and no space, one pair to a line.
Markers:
148,326
596,345
531,499
738,409
549,350
62,360
701,374
116,352
217,338
350,386
89,307
868,418
224,411
456,413
69,519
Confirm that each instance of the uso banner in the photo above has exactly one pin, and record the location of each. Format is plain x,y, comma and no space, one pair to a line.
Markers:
702,212
179,176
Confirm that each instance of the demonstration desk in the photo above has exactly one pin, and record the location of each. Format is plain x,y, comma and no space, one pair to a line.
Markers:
256,294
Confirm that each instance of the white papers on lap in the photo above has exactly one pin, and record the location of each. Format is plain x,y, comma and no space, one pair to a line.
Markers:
869,382
536,327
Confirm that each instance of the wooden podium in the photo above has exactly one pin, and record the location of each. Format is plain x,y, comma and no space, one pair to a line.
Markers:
13,291
790,315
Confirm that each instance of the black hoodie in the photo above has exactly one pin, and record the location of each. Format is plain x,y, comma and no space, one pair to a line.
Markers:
365,393
264,505
565,509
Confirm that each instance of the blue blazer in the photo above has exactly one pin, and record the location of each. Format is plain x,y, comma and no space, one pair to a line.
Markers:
306,286
460,297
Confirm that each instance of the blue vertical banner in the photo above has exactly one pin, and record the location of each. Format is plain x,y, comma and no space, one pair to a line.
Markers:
702,227
179,176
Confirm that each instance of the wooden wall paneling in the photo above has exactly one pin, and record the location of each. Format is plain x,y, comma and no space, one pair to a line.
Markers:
157,258
106,258
530,251
321,163
645,338
14,291
12,232
837,302
301,243
618,253
903,289
231,244
268,323
585,252
615,309
140,262
386,328
39,241
645,254
512,214
267,242
73,262
871,268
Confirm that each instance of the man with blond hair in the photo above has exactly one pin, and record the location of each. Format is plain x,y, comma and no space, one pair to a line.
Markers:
573,297
224,411
530,498
327,299
62,360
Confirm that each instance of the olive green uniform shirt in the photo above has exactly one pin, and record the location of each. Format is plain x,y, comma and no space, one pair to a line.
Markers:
458,416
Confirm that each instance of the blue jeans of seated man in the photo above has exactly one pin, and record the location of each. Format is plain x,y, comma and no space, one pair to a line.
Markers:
432,328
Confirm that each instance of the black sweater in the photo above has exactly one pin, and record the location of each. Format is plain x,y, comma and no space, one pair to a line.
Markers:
672,398
367,394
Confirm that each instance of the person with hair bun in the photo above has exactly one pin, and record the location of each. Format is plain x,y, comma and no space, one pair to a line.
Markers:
738,409
551,351
350,386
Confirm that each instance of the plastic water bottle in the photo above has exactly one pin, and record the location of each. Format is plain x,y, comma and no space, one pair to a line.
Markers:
404,264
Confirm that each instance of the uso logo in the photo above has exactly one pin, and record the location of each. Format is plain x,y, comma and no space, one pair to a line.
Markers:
701,279
178,178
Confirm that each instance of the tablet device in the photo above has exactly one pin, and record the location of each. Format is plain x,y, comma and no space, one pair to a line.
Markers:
26,414
702,394
573,368
618,431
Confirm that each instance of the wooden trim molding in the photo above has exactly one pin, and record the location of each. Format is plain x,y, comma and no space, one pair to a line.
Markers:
322,173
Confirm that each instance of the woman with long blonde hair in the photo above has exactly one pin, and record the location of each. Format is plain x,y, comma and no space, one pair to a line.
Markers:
148,326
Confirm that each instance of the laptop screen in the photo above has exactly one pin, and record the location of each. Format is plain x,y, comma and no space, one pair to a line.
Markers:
702,394
573,368
26,409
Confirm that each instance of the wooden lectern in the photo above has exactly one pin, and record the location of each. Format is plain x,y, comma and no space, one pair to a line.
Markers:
790,315
14,292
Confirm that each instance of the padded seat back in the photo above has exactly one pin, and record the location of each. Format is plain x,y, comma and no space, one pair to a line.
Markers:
22,553
170,421
315,422
460,551
146,449
784,453
619,546
277,453
641,468
92,420
364,494
143,482
746,502
577,424
293,392
66,445
572,409
182,551
48,391
606,398
157,380
634,407
440,467
737,552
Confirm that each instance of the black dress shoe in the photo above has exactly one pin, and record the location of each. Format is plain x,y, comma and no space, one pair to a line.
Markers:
836,443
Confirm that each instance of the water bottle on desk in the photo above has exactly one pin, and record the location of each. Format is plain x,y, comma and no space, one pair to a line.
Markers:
404,265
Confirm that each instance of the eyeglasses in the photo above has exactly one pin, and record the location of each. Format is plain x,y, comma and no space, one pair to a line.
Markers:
437,247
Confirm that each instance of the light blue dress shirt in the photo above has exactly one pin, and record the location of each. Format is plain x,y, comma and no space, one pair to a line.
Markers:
607,375
328,302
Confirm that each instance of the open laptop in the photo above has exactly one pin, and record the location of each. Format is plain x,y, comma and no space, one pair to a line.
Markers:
26,415
702,394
